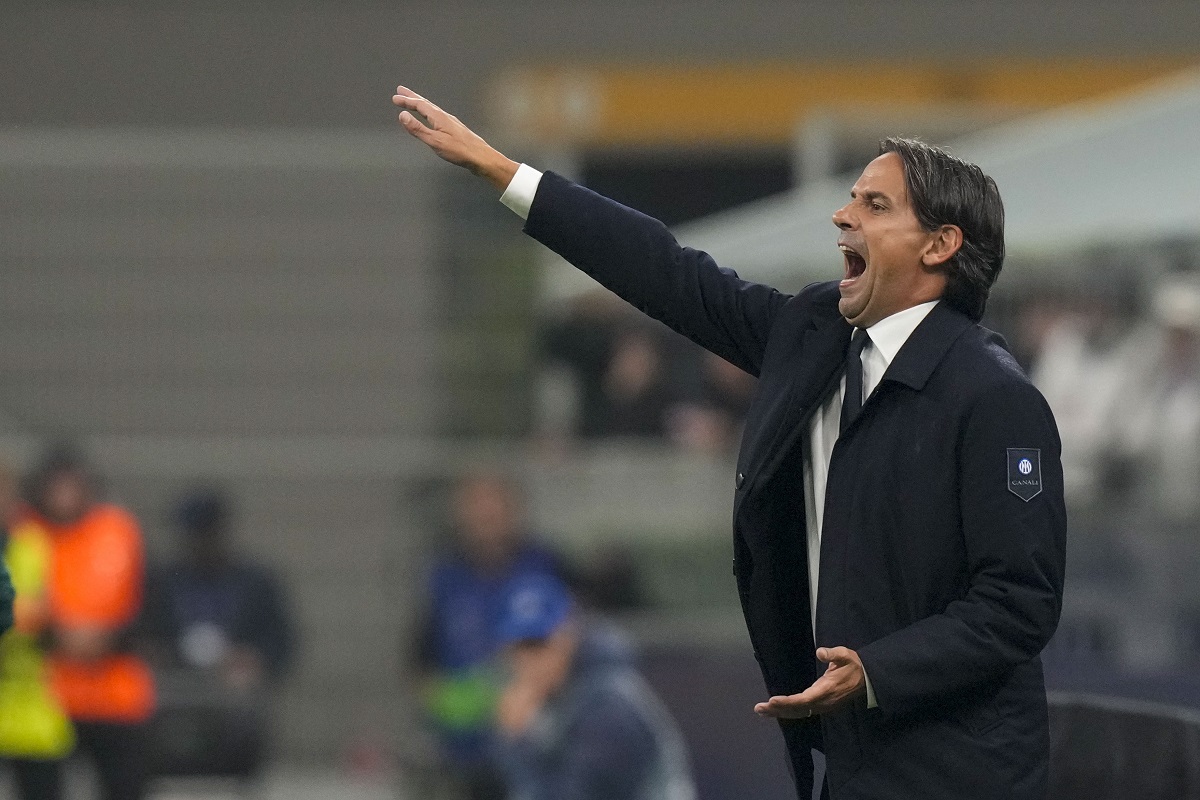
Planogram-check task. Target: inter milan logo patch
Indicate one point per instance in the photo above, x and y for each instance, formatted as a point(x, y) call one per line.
point(1025, 472)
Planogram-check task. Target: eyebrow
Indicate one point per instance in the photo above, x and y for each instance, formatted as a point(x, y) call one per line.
point(869, 196)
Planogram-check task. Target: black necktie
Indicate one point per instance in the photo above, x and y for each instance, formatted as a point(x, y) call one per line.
point(853, 398)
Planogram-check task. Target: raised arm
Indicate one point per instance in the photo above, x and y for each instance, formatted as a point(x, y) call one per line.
point(627, 252)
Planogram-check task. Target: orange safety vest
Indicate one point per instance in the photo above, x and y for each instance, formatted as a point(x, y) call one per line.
point(95, 581)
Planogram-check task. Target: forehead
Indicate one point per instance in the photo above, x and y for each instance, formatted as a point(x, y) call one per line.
point(884, 175)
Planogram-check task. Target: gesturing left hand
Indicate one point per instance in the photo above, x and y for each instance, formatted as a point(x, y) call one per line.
point(843, 681)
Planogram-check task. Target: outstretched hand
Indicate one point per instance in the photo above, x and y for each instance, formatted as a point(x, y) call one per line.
point(843, 680)
point(447, 136)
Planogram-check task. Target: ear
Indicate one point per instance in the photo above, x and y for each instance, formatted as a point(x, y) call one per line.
point(943, 244)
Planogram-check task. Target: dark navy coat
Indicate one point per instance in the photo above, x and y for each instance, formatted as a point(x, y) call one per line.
point(943, 542)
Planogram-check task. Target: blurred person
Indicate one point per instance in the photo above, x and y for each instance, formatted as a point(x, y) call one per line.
point(35, 734)
point(219, 627)
point(212, 611)
point(1157, 422)
point(93, 596)
point(456, 647)
point(576, 348)
point(576, 720)
point(7, 593)
point(1081, 369)
point(618, 380)
point(636, 390)
point(895, 455)
point(711, 420)
point(8, 506)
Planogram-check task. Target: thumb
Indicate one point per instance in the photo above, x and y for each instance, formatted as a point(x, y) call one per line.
point(829, 655)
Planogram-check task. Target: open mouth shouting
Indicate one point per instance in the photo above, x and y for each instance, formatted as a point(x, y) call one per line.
point(856, 263)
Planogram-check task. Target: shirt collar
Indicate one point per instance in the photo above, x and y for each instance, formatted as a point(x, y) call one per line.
point(890, 333)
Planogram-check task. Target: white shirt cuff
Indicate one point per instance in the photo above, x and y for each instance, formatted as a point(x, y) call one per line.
point(871, 703)
point(521, 190)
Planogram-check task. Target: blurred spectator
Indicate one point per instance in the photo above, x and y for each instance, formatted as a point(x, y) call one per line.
point(1081, 368)
point(456, 645)
point(35, 734)
point(1160, 406)
point(7, 591)
point(711, 420)
point(610, 373)
point(578, 347)
point(93, 594)
point(8, 510)
point(607, 372)
point(577, 722)
point(221, 635)
point(637, 392)
point(213, 612)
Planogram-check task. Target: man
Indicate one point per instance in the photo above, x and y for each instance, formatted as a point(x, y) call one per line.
point(218, 627)
point(213, 612)
point(576, 720)
point(456, 648)
point(35, 733)
point(93, 595)
point(910, 472)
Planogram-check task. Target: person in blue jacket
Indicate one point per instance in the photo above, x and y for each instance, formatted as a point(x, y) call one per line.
point(456, 650)
point(576, 720)
point(899, 529)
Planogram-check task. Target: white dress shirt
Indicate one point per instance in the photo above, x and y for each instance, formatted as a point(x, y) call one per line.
point(887, 337)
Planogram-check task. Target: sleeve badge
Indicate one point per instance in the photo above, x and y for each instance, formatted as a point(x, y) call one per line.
point(1025, 472)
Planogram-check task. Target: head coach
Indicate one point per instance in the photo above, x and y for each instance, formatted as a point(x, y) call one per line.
point(898, 519)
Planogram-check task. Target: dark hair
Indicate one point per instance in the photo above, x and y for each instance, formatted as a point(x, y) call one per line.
point(945, 190)
point(60, 458)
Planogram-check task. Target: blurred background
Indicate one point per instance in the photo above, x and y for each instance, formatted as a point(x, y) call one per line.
point(314, 370)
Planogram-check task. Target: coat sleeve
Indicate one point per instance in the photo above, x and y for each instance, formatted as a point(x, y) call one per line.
point(1015, 553)
point(637, 258)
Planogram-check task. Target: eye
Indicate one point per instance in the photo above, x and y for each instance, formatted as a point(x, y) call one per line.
point(876, 206)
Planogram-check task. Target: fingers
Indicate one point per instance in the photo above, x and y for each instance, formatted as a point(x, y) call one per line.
point(841, 683)
point(407, 98)
point(406, 92)
point(796, 706)
point(416, 127)
point(421, 106)
point(410, 101)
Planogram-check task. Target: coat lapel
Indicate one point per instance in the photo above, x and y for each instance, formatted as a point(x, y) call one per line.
point(819, 359)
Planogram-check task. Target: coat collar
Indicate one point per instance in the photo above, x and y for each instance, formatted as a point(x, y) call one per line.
point(925, 348)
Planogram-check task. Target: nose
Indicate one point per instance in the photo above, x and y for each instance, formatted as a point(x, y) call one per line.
point(842, 218)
